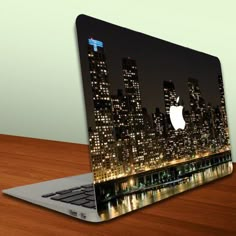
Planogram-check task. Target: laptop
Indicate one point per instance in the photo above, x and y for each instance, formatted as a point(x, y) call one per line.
point(156, 121)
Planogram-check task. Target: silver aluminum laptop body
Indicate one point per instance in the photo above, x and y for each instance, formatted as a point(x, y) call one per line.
point(33, 193)
point(156, 119)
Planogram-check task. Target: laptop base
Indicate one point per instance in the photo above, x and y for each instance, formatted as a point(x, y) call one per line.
point(33, 194)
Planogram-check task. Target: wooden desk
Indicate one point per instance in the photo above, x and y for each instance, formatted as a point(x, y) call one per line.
point(208, 210)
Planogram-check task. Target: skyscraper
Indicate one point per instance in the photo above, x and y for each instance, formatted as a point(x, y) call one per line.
point(120, 119)
point(103, 153)
point(169, 95)
point(222, 95)
point(120, 113)
point(159, 122)
point(169, 100)
point(135, 116)
point(223, 109)
point(197, 103)
point(222, 100)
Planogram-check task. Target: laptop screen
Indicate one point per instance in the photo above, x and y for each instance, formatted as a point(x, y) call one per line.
point(156, 116)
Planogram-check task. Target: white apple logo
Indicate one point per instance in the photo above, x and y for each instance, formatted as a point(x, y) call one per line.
point(176, 116)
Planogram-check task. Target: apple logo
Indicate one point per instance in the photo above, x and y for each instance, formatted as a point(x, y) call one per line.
point(176, 116)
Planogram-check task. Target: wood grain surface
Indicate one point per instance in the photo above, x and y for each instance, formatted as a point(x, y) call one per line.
point(207, 210)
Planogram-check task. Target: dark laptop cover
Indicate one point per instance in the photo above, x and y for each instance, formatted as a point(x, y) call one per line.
point(134, 87)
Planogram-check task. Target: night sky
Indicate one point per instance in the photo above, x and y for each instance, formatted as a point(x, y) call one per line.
point(156, 59)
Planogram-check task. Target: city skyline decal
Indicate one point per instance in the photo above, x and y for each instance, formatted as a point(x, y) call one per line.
point(131, 81)
point(128, 140)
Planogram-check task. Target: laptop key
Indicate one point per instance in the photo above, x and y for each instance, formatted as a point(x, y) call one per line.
point(66, 195)
point(90, 193)
point(89, 205)
point(75, 188)
point(64, 191)
point(48, 195)
point(74, 198)
point(87, 186)
point(89, 189)
point(91, 198)
point(79, 202)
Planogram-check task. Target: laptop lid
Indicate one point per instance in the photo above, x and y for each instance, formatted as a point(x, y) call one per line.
point(156, 116)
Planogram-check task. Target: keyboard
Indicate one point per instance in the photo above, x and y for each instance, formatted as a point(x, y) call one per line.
point(80, 196)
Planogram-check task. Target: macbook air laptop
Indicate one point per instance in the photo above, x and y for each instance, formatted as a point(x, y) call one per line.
point(156, 121)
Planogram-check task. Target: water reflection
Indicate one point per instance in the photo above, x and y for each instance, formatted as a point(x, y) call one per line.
point(131, 202)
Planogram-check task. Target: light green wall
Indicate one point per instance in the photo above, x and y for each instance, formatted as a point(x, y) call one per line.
point(40, 86)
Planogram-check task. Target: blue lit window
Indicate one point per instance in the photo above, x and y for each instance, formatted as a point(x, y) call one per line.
point(95, 44)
